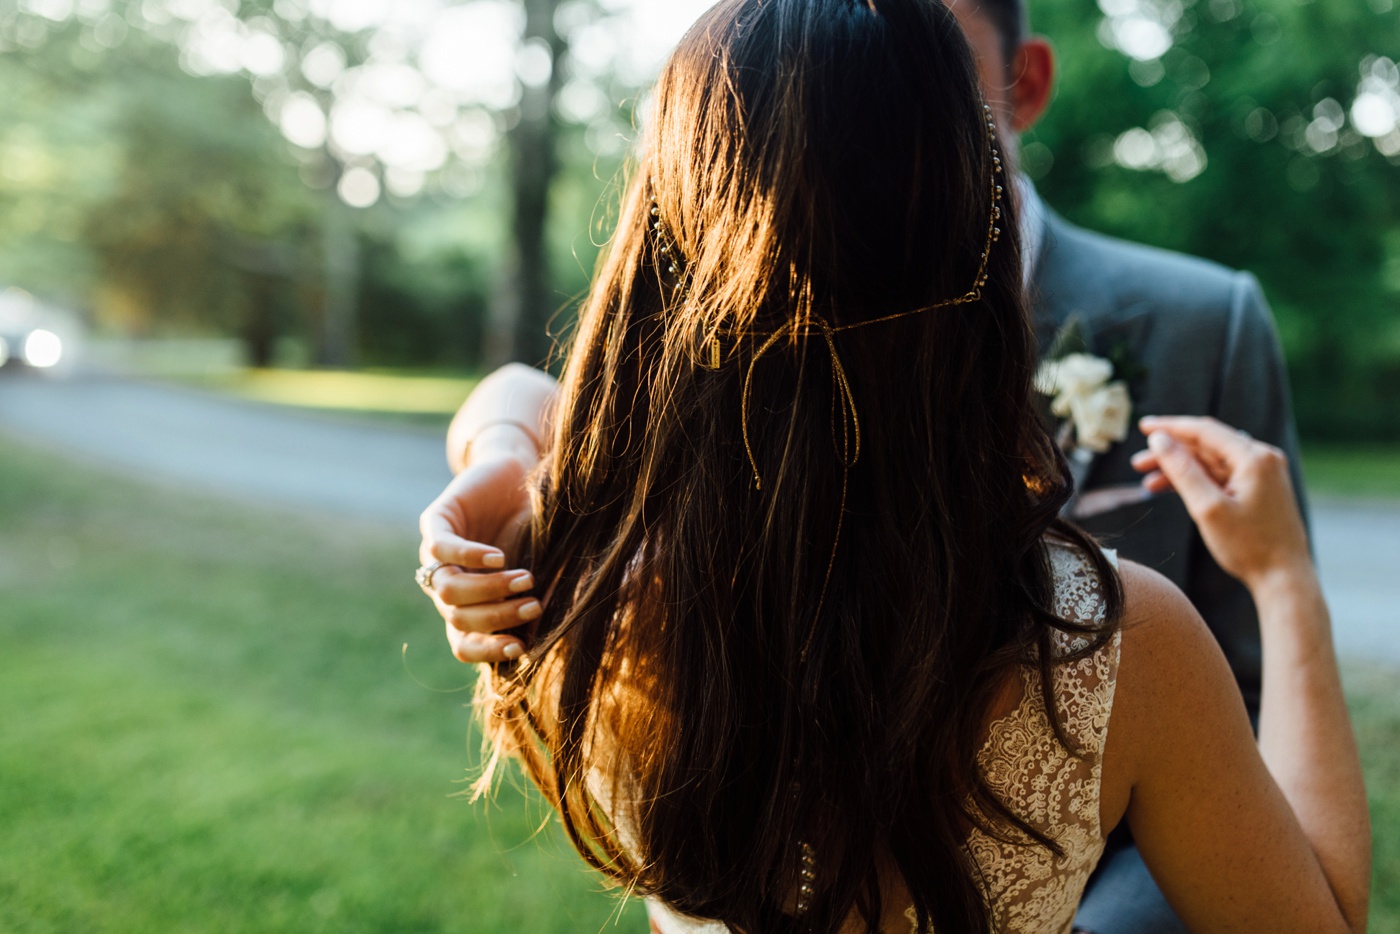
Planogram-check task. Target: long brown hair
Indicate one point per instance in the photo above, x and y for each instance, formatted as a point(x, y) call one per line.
point(724, 672)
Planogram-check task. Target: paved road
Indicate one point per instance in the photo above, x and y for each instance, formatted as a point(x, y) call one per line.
point(1358, 554)
point(243, 449)
point(376, 472)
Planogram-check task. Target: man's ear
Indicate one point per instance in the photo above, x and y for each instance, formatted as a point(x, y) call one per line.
point(1033, 79)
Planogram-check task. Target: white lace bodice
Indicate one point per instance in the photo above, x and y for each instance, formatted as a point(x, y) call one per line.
point(1028, 887)
point(1056, 792)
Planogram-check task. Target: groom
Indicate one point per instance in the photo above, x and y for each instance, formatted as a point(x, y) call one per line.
point(1201, 342)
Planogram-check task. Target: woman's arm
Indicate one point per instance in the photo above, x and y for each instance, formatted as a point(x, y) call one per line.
point(472, 527)
point(1266, 837)
point(506, 415)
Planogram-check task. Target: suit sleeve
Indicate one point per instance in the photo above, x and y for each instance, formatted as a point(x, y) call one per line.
point(1251, 394)
point(1253, 387)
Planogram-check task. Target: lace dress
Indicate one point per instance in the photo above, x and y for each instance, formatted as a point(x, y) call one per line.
point(1028, 887)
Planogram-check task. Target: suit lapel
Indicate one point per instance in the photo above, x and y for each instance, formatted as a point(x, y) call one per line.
point(1050, 299)
point(1066, 287)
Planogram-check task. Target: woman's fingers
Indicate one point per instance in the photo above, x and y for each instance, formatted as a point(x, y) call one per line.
point(1156, 483)
point(493, 617)
point(1200, 491)
point(466, 533)
point(473, 647)
point(1236, 489)
point(457, 587)
point(441, 526)
point(484, 603)
point(1201, 433)
point(441, 543)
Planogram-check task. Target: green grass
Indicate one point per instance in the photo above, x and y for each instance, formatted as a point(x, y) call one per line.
point(1373, 694)
point(209, 727)
point(1353, 470)
point(424, 398)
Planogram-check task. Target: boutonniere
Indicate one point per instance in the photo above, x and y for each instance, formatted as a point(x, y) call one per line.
point(1088, 394)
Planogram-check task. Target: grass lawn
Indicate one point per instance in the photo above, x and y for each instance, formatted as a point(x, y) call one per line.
point(209, 726)
point(422, 398)
point(1353, 470)
point(1374, 696)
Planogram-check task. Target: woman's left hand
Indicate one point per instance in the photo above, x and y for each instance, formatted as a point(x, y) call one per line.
point(468, 530)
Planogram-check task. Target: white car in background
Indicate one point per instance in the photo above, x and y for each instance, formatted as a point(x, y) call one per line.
point(36, 336)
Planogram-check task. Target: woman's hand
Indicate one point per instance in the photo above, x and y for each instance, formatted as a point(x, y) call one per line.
point(1236, 489)
point(471, 528)
point(1305, 870)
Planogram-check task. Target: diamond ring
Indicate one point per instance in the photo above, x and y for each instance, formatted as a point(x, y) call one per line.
point(424, 575)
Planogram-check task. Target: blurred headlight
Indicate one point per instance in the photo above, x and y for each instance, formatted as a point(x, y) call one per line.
point(4, 352)
point(43, 349)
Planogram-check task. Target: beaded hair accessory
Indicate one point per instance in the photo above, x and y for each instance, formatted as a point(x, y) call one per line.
point(850, 435)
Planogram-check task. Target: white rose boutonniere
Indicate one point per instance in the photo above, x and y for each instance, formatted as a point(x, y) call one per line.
point(1081, 388)
point(1101, 418)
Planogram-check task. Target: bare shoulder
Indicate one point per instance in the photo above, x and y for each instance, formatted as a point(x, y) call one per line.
point(1174, 686)
point(1163, 634)
point(1171, 664)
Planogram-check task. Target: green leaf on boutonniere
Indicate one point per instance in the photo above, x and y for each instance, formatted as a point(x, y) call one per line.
point(1072, 338)
point(1126, 367)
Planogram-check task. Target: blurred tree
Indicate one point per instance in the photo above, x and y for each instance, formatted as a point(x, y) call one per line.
point(521, 319)
point(208, 225)
point(167, 218)
point(52, 171)
point(196, 213)
point(1259, 133)
point(438, 166)
point(385, 99)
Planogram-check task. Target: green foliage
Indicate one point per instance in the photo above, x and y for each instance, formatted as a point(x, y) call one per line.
point(220, 730)
point(209, 225)
point(57, 161)
point(1318, 225)
point(162, 201)
point(1353, 470)
point(427, 310)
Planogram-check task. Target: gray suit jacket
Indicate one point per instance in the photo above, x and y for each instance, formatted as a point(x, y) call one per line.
point(1206, 339)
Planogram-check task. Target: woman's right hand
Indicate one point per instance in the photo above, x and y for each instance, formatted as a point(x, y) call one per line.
point(1236, 489)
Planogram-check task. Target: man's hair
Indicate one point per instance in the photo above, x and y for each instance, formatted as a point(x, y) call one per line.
point(1011, 22)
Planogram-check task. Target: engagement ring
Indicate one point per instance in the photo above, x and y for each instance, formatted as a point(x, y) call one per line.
point(424, 575)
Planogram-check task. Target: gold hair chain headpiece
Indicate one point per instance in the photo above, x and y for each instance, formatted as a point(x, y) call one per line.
point(850, 437)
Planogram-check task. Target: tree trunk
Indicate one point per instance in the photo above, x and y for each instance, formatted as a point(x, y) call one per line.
point(260, 322)
point(524, 302)
point(341, 247)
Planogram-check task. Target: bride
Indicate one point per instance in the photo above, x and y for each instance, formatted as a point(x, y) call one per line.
point(797, 640)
